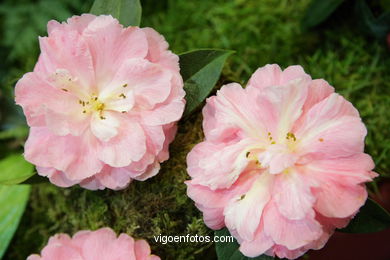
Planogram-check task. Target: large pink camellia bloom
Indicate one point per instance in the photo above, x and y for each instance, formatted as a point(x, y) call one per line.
point(282, 164)
point(102, 244)
point(102, 103)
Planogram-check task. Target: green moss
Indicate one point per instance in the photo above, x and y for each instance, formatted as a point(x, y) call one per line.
point(261, 32)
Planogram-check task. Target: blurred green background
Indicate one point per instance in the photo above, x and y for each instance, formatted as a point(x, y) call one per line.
point(261, 32)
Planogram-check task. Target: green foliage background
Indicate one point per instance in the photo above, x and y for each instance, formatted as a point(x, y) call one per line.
point(261, 32)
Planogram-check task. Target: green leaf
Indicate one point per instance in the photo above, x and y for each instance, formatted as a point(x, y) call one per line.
point(128, 12)
point(200, 70)
point(36, 179)
point(15, 169)
point(15, 132)
point(13, 201)
point(229, 250)
point(371, 218)
point(378, 27)
point(318, 11)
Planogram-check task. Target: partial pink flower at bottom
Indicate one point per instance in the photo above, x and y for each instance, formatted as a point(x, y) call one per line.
point(102, 244)
point(282, 164)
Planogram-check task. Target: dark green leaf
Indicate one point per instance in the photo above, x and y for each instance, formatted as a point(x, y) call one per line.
point(200, 70)
point(15, 169)
point(318, 11)
point(371, 218)
point(378, 27)
point(36, 179)
point(128, 12)
point(16, 132)
point(229, 250)
point(13, 201)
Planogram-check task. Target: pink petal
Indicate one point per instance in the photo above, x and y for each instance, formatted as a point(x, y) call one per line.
point(150, 82)
point(288, 101)
point(127, 146)
point(75, 156)
point(258, 246)
point(213, 217)
point(113, 178)
point(66, 50)
point(290, 233)
point(336, 200)
point(331, 129)
point(266, 76)
point(111, 46)
point(56, 177)
point(36, 96)
point(234, 109)
point(292, 195)
point(292, 73)
point(319, 89)
point(158, 50)
point(217, 166)
point(142, 250)
point(243, 213)
point(105, 127)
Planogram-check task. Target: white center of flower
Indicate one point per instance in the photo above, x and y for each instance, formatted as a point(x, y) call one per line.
point(100, 106)
point(277, 156)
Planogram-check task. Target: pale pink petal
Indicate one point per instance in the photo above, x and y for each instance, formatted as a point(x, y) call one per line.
point(36, 96)
point(158, 50)
point(284, 252)
point(338, 200)
point(213, 217)
point(233, 108)
point(150, 83)
point(164, 114)
point(105, 126)
point(266, 76)
point(79, 23)
point(319, 89)
point(56, 177)
point(243, 212)
point(150, 171)
point(142, 250)
point(75, 156)
point(113, 178)
point(351, 170)
point(170, 132)
point(217, 166)
point(288, 101)
point(293, 73)
point(325, 131)
point(259, 245)
point(277, 158)
point(290, 233)
point(111, 45)
point(67, 50)
point(292, 195)
point(97, 243)
point(129, 145)
point(92, 183)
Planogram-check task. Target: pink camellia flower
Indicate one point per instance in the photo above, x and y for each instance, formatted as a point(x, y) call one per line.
point(282, 164)
point(102, 103)
point(102, 244)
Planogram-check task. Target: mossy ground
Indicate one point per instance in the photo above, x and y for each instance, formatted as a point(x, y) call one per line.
point(260, 32)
